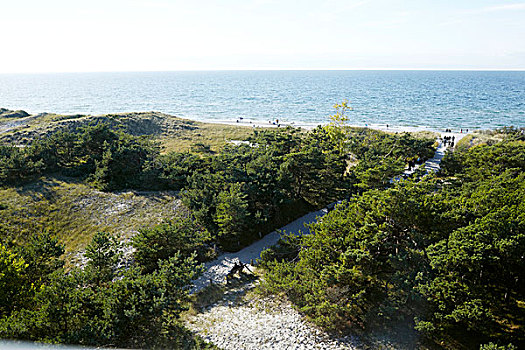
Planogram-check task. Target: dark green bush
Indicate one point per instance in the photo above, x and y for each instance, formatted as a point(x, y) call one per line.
point(182, 235)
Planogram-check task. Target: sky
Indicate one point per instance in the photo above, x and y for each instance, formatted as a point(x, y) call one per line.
point(164, 35)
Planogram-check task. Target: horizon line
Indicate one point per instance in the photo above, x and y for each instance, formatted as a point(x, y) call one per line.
point(276, 69)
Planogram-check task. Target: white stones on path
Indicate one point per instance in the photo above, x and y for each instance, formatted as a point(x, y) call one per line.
point(260, 324)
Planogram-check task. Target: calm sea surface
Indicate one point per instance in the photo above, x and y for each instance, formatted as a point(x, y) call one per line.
point(428, 99)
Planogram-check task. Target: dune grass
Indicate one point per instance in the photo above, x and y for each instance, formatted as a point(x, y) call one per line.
point(214, 136)
point(74, 211)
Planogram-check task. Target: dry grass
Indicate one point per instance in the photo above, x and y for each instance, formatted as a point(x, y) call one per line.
point(425, 135)
point(174, 134)
point(74, 211)
point(215, 136)
point(477, 138)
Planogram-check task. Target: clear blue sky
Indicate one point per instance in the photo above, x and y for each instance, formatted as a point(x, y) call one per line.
point(152, 35)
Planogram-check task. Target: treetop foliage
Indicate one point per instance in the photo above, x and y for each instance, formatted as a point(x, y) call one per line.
point(445, 251)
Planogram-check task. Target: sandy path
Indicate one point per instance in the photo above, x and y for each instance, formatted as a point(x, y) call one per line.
point(432, 165)
point(216, 270)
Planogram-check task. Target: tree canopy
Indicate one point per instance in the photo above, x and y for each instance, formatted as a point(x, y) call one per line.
point(445, 251)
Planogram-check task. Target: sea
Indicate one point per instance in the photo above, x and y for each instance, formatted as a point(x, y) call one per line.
point(432, 100)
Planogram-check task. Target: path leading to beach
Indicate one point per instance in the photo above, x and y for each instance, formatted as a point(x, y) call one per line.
point(216, 270)
point(432, 165)
point(236, 323)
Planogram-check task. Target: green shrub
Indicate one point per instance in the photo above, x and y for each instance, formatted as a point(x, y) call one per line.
point(182, 235)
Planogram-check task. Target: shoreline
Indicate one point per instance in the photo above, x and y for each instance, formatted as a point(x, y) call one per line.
point(381, 127)
point(248, 122)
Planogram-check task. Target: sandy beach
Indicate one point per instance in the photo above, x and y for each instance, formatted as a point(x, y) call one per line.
point(382, 127)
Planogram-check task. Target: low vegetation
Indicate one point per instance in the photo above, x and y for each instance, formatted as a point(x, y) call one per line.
point(172, 133)
point(97, 305)
point(75, 211)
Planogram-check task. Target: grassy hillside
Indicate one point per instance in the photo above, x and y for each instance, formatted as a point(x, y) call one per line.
point(75, 211)
point(174, 134)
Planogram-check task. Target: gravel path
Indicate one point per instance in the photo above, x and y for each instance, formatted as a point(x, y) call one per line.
point(259, 323)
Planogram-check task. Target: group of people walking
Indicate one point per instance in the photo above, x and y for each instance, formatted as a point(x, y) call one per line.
point(449, 140)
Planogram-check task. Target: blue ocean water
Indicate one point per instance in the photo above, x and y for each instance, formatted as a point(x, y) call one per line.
point(428, 99)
